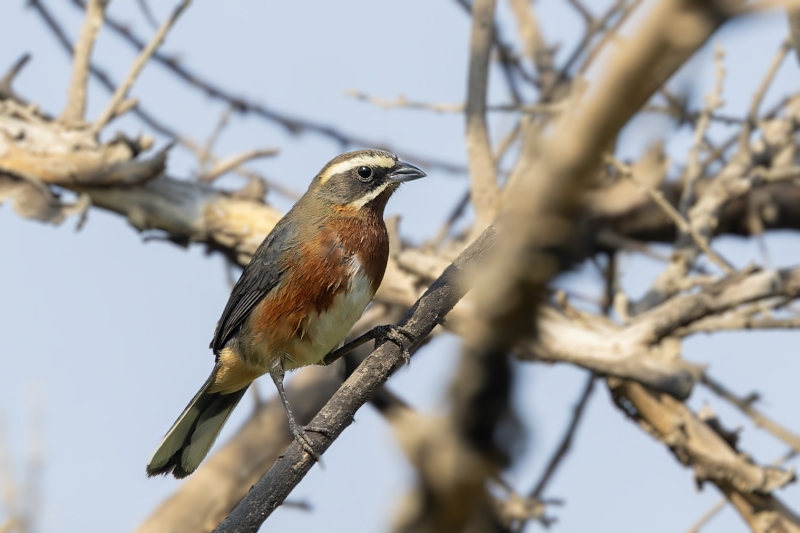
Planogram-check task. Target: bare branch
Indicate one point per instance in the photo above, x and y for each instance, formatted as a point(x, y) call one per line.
point(148, 14)
point(745, 405)
point(625, 12)
point(403, 103)
point(485, 191)
point(147, 52)
point(566, 441)
point(702, 446)
point(693, 168)
point(5, 83)
point(758, 96)
point(535, 45)
point(101, 75)
point(205, 154)
point(235, 161)
point(707, 516)
point(682, 224)
point(580, 8)
point(75, 110)
point(594, 27)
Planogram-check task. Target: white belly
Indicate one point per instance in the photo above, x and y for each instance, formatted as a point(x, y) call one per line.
point(328, 330)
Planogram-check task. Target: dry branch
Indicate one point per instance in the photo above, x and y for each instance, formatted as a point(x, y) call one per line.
point(147, 52)
point(75, 109)
point(682, 224)
point(745, 405)
point(566, 441)
point(713, 457)
point(235, 161)
point(484, 189)
point(6, 91)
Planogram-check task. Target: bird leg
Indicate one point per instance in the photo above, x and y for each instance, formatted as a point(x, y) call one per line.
point(400, 336)
point(276, 372)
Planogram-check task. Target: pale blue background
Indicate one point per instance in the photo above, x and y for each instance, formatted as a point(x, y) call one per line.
point(110, 334)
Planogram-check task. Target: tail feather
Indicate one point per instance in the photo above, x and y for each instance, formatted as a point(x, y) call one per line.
point(191, 436)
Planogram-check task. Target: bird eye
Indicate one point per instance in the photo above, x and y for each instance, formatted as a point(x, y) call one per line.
point(364, 173)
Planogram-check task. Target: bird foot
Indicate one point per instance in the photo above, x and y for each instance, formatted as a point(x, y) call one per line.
point(302, 439)
point(401, 337)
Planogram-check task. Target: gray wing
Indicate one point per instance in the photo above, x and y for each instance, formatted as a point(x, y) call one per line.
point(258, 278)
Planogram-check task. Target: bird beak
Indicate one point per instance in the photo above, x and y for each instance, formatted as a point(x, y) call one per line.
point(405, 172)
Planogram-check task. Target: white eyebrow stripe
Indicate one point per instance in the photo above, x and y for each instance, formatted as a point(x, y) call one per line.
point(366, 159)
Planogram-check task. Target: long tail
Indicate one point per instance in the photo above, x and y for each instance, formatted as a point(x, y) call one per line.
point(191, 436)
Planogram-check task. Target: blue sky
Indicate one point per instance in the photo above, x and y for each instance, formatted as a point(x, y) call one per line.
point(108, 335)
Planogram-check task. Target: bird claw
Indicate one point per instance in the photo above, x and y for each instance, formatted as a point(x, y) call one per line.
point(302, 439)
point(401, 337)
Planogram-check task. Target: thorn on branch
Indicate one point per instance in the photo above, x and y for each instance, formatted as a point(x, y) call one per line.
point(6, 91)
point(745, 405)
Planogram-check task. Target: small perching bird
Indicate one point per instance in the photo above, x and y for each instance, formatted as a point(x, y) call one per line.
point(295, 302)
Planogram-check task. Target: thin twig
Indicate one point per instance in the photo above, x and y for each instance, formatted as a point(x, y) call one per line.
point(566, 441)
point(758, 96)
point(235, 161)
point(594, 27)
point(205, 154)
point(147, 52)
point(509, 62)
point(745, 405)
point(580, 8)
point(535, 46)
point(693, 117)
point(102, 76)
point(713, 102)
point(403, 103)
point(682, 224)
point(707, 516)
point(6, 91)
point(483, 177)
point(148, 14)
point(75, 109)
point(594, 53)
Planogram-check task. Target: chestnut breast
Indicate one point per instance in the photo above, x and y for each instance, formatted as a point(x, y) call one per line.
point(329, 282)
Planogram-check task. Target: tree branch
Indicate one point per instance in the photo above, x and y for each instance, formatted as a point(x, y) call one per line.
point(147, 52)
point(566, 441)
point(704, 447)
point(484, 190)
point(745, 405)
point(75, 109)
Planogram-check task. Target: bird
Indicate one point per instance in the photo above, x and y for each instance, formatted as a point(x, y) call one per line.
point(306, 285)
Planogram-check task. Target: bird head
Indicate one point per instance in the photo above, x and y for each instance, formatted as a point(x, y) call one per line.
point(362, 179)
